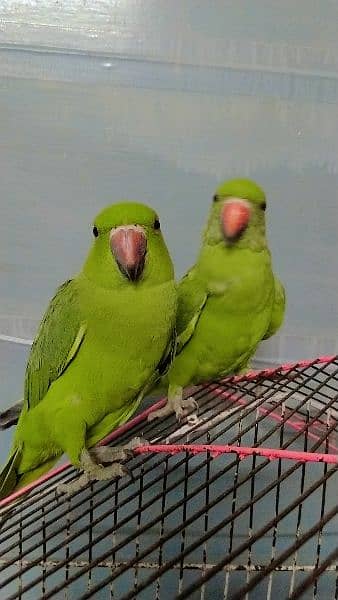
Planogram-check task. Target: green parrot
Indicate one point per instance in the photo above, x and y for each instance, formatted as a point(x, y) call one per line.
point(229, 300)
point(106, 337)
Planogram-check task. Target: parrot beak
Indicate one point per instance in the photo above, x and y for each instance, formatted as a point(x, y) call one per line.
point(128, 244)
point(235, 216)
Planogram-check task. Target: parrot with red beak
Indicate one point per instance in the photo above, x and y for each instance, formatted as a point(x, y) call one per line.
point(229, 300)
point(105, 339)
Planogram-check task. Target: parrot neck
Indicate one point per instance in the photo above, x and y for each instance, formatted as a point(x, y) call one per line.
point(253, 240)
point(219, 264)
point(219, 256)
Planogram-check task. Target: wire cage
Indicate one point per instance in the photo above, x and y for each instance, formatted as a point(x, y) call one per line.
point(247, 523)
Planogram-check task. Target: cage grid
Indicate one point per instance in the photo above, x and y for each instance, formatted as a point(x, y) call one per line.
point(192, 525)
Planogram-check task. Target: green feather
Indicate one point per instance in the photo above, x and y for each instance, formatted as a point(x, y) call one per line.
point(230, 300)
point(190, 303)
point(9, 474)
point(278, 309)
point(58, 339)
point(103, 342)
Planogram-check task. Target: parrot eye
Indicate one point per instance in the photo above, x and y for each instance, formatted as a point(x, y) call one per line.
point(95, 231)
point(263, 206)
point(215, 198)
point(157, 224)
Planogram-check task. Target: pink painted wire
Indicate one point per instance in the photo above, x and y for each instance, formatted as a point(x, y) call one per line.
point(296, 425)
point(54, 472)
point(142, 417)
point(241, 451)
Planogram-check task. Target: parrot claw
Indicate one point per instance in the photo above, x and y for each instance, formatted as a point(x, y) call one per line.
point(95, 471)
point(112, 454)
point(105, 473)
point(176, 405)
point(136, 442)
point(99, 474)
point(68, 489)
point(103, 455)
point(193, 420)
point(181, 407)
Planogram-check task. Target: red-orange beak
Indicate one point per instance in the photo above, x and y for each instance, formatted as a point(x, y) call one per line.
point(235, 216)
point(129, 246)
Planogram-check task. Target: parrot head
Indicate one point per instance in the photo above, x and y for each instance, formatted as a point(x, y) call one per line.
point(237, 213)
point(128, 247)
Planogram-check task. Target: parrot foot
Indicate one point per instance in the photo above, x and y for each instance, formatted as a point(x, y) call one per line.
point(98, 473)
point(95, 471)
point(108, 454)
point(177, 405)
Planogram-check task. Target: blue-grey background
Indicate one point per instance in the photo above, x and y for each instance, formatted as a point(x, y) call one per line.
point(159, 102)
point(102, 100)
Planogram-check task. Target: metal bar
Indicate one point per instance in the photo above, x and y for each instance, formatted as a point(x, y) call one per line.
point(258, 417)
point(305, 537)
point(242, 451)
point(330, 563)
point(211, 532)
point(255, 580)
point(120, 524)
point(142, 416)
point(97, 539)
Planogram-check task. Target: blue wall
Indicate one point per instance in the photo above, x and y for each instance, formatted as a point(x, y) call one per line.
point(180, 102)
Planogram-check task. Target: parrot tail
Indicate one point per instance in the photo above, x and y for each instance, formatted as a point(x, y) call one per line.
point(19, 483)
point(9, 476)
point(10, 416)
point(11, 481)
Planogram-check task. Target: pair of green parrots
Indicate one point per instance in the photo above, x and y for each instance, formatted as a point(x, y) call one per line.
point(121, 326)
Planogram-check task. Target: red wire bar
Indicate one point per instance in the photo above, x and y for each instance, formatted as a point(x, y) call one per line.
point(251, 375)
point(241, 451)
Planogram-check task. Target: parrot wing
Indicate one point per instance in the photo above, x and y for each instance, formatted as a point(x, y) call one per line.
point(154, 385)
point(278, 310)
point(192, 298)
point(45, 365)
point(58, 340)
point(168, 356)
point(8, 475)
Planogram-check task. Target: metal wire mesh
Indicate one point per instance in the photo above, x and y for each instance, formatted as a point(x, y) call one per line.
point(192, 526)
